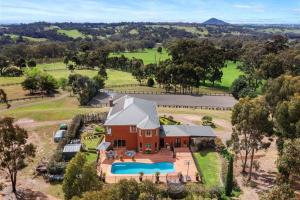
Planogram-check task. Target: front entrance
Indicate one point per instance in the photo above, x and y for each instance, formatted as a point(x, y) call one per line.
point(161, 143)
point(178, 142)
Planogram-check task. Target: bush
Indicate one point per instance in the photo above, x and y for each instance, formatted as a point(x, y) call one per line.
point(56, 168)
point(208, 121)
point(150, 82)
point(176, 191)
point(206, 144)
point(63, 83)
point(12, 71)
point(219, 145)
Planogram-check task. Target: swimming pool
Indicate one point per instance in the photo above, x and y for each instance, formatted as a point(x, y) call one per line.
point(146, 168)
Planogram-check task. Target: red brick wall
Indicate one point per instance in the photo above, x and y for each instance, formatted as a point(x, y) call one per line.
point(122, 133)
point(172, 140)
point(144, 140)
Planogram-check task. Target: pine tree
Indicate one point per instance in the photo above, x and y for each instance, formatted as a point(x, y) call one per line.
point(229, 178)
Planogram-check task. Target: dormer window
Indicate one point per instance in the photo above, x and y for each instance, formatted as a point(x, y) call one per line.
point(148, 133)
point(108, 130)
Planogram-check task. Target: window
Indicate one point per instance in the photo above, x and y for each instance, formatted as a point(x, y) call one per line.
point(108, 130)
point(119, 143)
point(148, 133)
point(141, 145)
point(132, 129)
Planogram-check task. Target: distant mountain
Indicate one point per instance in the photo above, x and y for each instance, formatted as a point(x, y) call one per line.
point(214, 21)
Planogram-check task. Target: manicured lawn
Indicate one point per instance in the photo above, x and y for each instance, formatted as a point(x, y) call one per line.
point(92, 143)
point(148, 55)
point(73, 33)
point(210, 166)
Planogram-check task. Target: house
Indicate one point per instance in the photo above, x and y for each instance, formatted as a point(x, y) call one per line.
point(133, 124)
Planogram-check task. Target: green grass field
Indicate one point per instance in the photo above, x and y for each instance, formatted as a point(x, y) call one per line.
point(148, 55)
point(230, 73)
point(73, 33)
point(60, 109)
point(115, 77)
point(14, 37)
point(210, 166)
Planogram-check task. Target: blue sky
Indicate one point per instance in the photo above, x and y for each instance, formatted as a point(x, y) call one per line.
point(233, 11)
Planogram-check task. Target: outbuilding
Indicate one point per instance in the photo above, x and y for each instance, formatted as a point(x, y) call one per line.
point(70, 150)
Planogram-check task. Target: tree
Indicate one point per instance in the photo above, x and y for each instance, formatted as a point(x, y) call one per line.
point(288, 163)
point(31, 63)
point(102, 72)
point(128, 189)
point(3, 98)
point(14, 149)
point(250, 120)
point(238, 85)
point(159, 50)
point(148, 190)
point(4, 63)
point(287, 118)
point(280, 192)
point(80, 177)
point(139, 74)
point(84, 87)
point(150, 82)
point(99, 81)
point(229, 178)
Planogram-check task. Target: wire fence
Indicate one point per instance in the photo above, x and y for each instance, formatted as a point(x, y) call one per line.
point(102, 105)
point(29, 98)
point(164, 93)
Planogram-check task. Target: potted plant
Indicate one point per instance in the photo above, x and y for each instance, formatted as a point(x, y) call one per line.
point(180, 177)
point(157, 177)
point(141, 176)
point(197, 176)
point(103, 177)
point(121, 158)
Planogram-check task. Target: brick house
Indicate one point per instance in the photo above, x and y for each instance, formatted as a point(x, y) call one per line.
point(133, 124)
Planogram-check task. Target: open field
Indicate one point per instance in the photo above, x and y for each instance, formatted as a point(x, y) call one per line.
point(60, 109)
point(58, 70)
point(73, 33)
point(148, 55)
point(210, 165)
point(14, 37)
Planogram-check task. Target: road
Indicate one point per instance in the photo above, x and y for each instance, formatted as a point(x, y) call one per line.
point(169, 99)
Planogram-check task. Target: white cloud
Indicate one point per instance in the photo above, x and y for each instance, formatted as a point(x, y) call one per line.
point(255, 8)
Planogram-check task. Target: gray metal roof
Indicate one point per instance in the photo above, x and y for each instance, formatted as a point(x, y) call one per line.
point(71, 148)
point(186, 130)
point(133, 111)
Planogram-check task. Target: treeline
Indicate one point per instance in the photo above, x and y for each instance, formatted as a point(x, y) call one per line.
point(262, 61)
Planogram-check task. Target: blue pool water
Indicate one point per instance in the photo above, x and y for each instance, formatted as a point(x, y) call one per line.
point(147, 168)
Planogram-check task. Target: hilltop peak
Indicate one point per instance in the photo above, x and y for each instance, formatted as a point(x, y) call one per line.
point(214, 21)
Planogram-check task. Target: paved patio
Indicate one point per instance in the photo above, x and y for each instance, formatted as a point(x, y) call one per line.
point(183, 157)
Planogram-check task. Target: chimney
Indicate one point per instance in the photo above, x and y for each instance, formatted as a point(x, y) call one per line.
point(111, 102)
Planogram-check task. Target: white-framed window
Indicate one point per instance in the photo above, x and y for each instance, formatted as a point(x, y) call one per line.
point(132, 129)
point(148, 133)
point(108, 130)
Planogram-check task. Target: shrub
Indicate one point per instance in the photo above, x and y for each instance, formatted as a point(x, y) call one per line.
point(176, 191)
point(12, 71)
point(63, 83)
point(208, 121)
point(55, 168)
point(206, 144)
point(150, 82)
point(219, 145)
